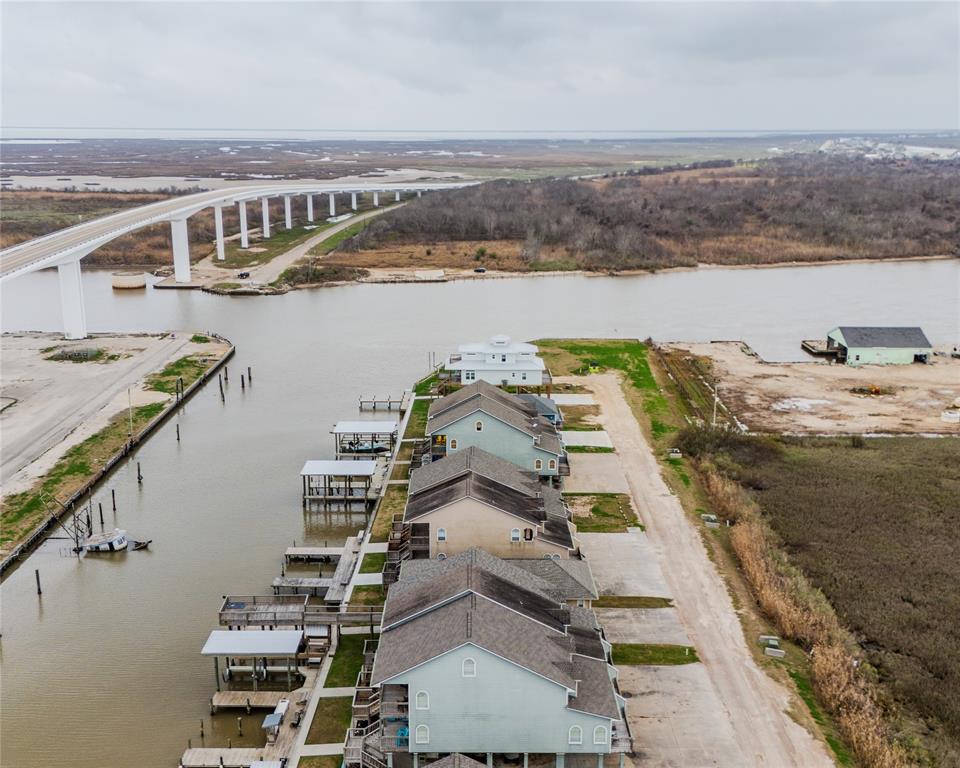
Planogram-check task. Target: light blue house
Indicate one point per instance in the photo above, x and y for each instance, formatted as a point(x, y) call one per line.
point(505, 425)
point(478, 656)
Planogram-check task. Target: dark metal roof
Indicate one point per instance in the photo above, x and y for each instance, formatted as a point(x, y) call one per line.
point(893, 337)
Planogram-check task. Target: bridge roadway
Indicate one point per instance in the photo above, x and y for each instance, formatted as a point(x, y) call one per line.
point(64, 249)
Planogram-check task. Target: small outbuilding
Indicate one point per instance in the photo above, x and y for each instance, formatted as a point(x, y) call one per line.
point(861, 345)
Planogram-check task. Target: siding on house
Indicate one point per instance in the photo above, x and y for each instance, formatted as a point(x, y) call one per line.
point(499, 439)
point(470, 523)
point(504, 709)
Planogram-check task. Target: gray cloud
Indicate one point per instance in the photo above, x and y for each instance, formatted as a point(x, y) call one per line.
point(482, 66)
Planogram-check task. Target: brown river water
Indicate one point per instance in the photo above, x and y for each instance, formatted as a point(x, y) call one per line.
point(105, 669)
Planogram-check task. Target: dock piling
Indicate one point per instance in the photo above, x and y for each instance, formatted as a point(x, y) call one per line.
point(113, 498)
point(239, 726)
point(226, 374)
point(100, 506)
point(249, 375)
point(178, 433)
point(242, 384)
point(201, 727)
point(36, 573)
point(139, 475)
point(222, 398)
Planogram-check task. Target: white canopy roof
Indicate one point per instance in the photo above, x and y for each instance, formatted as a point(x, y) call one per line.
point(365, 427)
point(253, 642)
point(498, 344)
point(361, 468)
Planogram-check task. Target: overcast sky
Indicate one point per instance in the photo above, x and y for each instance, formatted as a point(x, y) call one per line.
point(482, 66)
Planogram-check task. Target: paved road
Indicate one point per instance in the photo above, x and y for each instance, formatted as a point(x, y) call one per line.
point(43, 251)
point(755, 704)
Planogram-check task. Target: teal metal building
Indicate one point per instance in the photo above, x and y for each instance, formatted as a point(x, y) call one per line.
point(860, 345)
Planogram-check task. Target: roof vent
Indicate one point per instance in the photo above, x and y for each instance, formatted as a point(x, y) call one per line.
point(500, 340)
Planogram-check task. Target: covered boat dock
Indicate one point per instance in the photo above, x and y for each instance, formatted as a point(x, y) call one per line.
point(348, 481)
point(364, 438)
point(258, 647)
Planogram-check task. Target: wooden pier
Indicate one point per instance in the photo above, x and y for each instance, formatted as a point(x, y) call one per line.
point(313, 554)
point(380, 403)
point(249, 699)
point(301, 585)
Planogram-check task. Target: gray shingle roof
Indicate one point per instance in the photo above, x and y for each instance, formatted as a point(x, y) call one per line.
point(572, 577)
point(477, 460)
point(545, 406)
point(894, 337)
point(500, 405)
point(474, 597)
point(483, 489)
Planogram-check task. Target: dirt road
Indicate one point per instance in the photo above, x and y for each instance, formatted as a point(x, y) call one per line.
point(755, 704)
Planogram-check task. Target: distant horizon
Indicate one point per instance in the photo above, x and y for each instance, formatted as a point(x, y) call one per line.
point(11, 134)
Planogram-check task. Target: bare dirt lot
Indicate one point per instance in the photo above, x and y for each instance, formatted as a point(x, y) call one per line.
point(818, 397)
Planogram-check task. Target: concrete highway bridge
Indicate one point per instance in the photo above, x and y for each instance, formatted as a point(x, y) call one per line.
point(64, 249)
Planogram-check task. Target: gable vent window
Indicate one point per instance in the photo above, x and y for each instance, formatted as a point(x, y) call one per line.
point(423, 701)
point(423, 734)
point(515, 534)
point(528, 534)
point(599, 735)
point(538, 464)
point(552, 464)
point(575, 735)
point(441, 534)
point(478, 426)
point(468, 668)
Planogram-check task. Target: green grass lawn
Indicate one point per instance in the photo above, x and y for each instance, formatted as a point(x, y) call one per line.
point(188, 368)
point(347, 660)
point(393, 502)
point(589, 449)
point(655, 654)
point(581, 418)
point(331, 243)
point(331, 720)
point(609, 512)
point(632, 601)
point(280, 241)
point(371, 595)
point(417, 423)
point(321, 761)
point(373, 562)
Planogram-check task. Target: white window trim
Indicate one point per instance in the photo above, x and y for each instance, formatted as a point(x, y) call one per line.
point(427, 700)
point(478, 425)
point(538, 464)
point(425, 738)
point(453, 444)
point(515, 535)
point(597, 738)
point(575, 735)
point(441, 534)
point(463, 667)
point(552, 464)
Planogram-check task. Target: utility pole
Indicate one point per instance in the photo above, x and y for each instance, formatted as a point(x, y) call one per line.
point(130, 413)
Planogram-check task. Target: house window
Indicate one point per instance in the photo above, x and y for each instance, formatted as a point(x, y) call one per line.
point(503, 358)
point(538, 464)
point(468, 668)
point(478, 426)
point(515, 534)
point(575, 735)
point(523, 376)
point(423, 702)
point(441, 534)
point(453, 444)
point(469, 375)
point(599, 735)
point(552, 464)
point(423, 734)
point(528, 534)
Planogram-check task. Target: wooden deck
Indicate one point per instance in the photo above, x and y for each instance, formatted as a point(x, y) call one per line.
point(301, 585)
point(251, 699)
point(312, 554)
point(214, 757)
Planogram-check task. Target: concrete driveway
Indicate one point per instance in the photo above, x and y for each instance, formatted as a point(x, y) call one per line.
point(595, 473)
point(642, 625)
point(624, 564)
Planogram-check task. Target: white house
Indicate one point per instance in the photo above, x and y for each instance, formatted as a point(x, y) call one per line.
point(498, 361)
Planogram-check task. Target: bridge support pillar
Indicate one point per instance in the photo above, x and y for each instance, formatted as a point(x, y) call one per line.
point(218, 222)
point(353, 200)
point(71, 300)
point(265, 206)
point(396, 197)
point(310, 208)
point(287, 213)
point(244, 233)
point(333, 204)
point(419, 193)
point(181, 250)
point(376, 199)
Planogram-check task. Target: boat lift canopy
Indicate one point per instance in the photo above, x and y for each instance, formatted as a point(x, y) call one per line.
point(344, 468)
point(365, 427)
point(276, 643)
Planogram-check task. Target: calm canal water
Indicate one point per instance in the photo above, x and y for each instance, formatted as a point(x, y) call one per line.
point(105, 669)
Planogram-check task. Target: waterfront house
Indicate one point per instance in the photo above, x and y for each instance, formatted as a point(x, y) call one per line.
point(856, 345)
point(474, 498)
point(497, 361)
point(477, 656)
point(500, 423)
